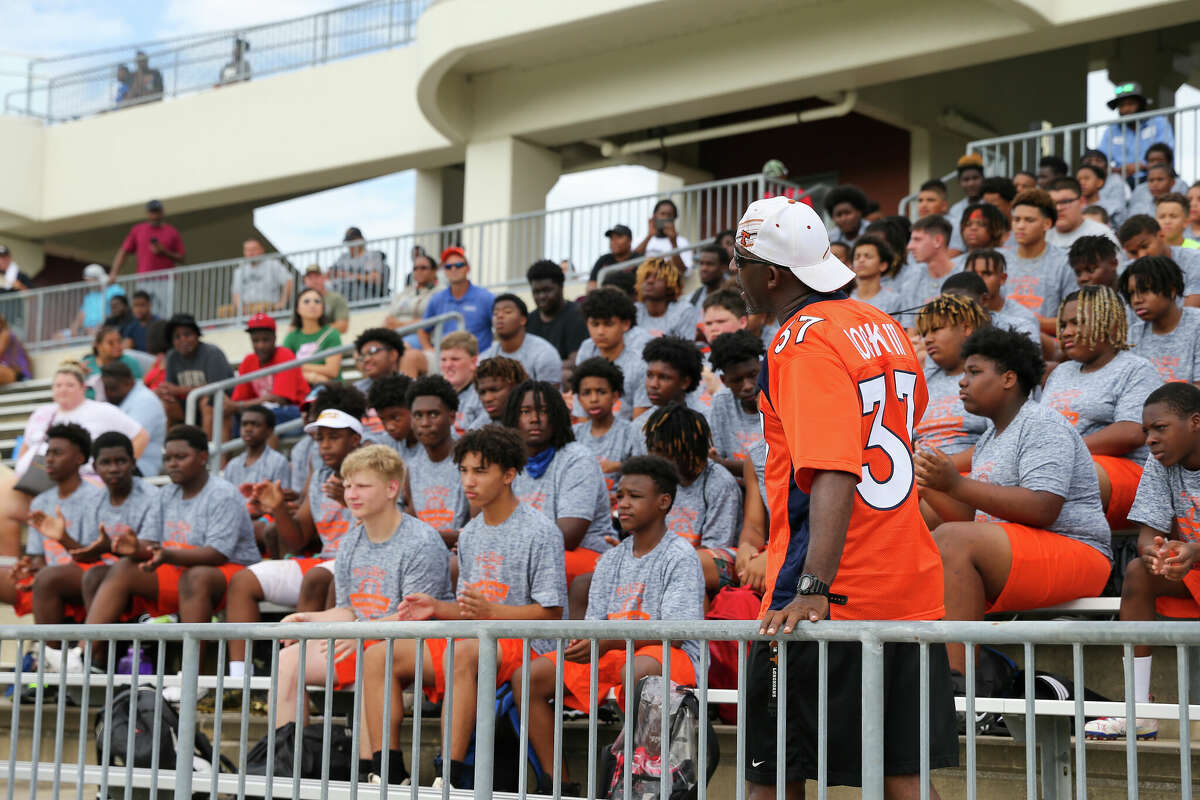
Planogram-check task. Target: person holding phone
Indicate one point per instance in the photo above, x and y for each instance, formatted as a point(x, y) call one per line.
point(662, 236)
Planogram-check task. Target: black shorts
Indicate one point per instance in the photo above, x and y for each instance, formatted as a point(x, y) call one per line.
point(901, 713)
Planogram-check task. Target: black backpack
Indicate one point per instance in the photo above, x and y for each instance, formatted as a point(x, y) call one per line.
point(683, 748)
point(312, 750)
point(506, 765)
point(117, 734)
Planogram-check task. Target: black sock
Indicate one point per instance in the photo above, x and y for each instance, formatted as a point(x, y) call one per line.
point(397, 773)
point(366, 766)
point(462, 776)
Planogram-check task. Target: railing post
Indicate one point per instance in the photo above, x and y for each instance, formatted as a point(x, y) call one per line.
point(29, 89)
point(49, 101)
point(218, 430)
point(872, 718)
point(187, 719)
point(485, 711)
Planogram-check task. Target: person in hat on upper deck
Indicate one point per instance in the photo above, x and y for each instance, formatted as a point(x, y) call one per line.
point(1125, 143)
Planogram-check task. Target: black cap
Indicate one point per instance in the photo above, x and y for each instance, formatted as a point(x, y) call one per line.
point(1131, 89)
point(353, 235)
point(154, 205)
point(619, 230)
point(186, 320)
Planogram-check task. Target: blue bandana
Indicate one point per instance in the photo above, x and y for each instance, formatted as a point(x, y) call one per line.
point(537, 465)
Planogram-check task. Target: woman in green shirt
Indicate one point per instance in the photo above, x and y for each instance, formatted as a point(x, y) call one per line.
point(107, 348)
point(310, 333)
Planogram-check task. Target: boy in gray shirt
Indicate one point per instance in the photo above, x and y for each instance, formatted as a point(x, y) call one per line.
point(1164, 333)
point(612, 335)
point(540, 358)
point(734, 418)
point(386, 557)
point(598, 384)
point(651, 575)
point(258, 462)
point(434, 491)
point(510, 567)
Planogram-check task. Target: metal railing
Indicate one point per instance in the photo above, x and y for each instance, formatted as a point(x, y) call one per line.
point(500, 251)
point(1004, 155)
point(217, 390)
point(206, 61)
point(96, 695)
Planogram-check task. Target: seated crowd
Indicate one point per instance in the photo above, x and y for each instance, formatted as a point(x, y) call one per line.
point(603, 458)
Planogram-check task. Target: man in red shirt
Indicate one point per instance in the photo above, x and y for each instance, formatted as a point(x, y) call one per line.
point(841, 387)
point(157, 244)
point(282, 392)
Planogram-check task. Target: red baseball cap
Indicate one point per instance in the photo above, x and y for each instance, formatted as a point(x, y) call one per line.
point(454, 251)
point(260, 321)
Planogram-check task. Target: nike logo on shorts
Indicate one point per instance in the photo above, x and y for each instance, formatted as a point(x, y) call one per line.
point(756, 764)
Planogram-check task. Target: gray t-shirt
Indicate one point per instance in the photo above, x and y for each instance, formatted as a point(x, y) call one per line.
point(734, 430)
point(621, 441)
point(1188, 259)
point(758, 457)
point(516, 563)
point(1176, 355)
point(572, 487)
point(406, 451)
point(708, 512)
point(1040, 283)
point(301, 459)
point(216, 518)
point(373, 577)
point(1092, 401)
point(1040, 451)
point(437, 493)
point(540, 358)
point(1168, 500)
point(469, 408)
point(207, 365)
point(1017, 317)
point(887, 299)
point(919, 287)
point(270, 466)
point(680, 320)
point(78, 509)
point(946, 424)
point(667, 583)
point(633, 368)
point(261, 282)
point(140, 514)
point(331, 519)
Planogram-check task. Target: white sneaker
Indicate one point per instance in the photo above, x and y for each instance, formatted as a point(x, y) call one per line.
point(174, 693)
point(72, 664)
point(1115, 728)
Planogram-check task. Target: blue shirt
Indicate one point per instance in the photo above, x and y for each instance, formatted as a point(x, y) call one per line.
point(1126, 143)
point(475, 306)
point(144, 407)
point(95, 306)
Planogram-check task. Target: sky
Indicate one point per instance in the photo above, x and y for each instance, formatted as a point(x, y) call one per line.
point(384, 205)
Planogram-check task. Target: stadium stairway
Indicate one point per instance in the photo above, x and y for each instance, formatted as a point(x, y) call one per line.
point(17, 402)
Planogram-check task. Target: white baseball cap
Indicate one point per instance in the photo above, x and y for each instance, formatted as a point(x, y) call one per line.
point(789, 234)
point(334, 418)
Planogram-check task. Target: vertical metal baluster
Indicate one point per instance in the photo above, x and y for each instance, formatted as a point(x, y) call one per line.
point(218, 712)
point(187, 717)
point(158, 705)
point(664, 736)
point(60, 719)
point(970, 715)
point(558, 718)
point(1182, 674)
point(1030, 725)
point(84, 700)
point(356, 726)
point(702, 754)
point(14, 726)
point(740, 775)
point(594, 708)
point(781, 657)
point(872, 714)
point(447, 715)
point(387, 745)
point(1080, 739)
point(523, 712)
point(627, 723)
point(108, 703)
point(924, 650)
point(38, 704)
point(1131, 765)
point(485, 725)
point(244, 723)
point(271, 720)
point(133, 696)
point(822, 719)
point(301, 707)
point(418, 690)
point(327, 715)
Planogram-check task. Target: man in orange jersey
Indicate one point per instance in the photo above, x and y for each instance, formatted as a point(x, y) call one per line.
point(841, 387)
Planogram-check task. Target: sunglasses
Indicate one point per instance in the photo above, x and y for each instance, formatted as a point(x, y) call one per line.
point(454, 264)
point(371, 351)
point(741, 261)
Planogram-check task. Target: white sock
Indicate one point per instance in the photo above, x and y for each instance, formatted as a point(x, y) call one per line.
point(1141, 679)
point(237, 669)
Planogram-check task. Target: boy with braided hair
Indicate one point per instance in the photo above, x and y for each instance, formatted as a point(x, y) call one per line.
point(707, 508)
point(733, 418)
point(495, 379)
point(1165, 333)
point(659, 310)
point(1101, 390)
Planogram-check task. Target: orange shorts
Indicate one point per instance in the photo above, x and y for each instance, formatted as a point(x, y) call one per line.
point(508, 661)
point(580, 561)
point(306, 564)
point(345, 669)
point(72, 612)
point(1182, 607)
point(1124, 476)
point(610, 674)
point(1048, 569)
point(167, 602)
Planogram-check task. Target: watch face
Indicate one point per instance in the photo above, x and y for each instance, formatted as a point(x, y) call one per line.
point(806, 584)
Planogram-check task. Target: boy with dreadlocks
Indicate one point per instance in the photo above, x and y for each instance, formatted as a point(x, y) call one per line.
point(707, 508)
point(495, 378)
point(659, 310)
point(1163, 579)
point(610, 316)
point(944, 324)
point(674, 370)
point(598, 384)
point(733, 417)
point(1164, 333)
point(562, 479)
point(1101, 390)
point(1031, 502)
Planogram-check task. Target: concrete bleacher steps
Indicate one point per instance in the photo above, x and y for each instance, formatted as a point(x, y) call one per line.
point(1000, 760)
point(17, 402)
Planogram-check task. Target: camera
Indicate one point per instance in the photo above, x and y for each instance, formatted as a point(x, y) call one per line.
point(660, 225)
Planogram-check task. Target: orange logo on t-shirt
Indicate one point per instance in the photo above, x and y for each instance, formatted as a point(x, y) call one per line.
point(941, 425)
point(330, 525)
point(54, 553)
point(745, 441)
point(629, 596)
point(1061, 402)
point(1166, 366)
point(433, 511)
point(490, 586)
point(1024, 289)
point(682, 522)
point(368, 597)
point(535, 499)
point(175, 533)
point(1188, 525)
